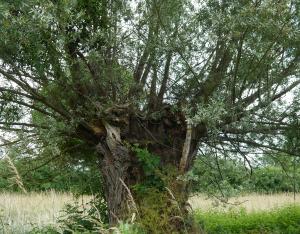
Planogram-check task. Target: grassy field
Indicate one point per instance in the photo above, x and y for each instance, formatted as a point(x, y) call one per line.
point(19, 213)
point(282, 220)
point(251, 202)
point(253, 213)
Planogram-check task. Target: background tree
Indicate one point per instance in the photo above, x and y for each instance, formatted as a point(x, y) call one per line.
point(134, 80)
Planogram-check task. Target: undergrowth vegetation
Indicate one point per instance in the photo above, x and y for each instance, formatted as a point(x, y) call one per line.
point(277, 221)
point(87, 215)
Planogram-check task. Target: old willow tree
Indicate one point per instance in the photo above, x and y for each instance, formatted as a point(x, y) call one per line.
point(147, 84)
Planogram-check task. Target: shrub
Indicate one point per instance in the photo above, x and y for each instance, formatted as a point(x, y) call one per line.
point(84, 218)
point(228, 177)
point(272, 179)
point(78, 179)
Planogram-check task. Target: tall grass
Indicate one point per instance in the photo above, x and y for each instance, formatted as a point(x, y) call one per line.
point(251, 202)
point(19, 213)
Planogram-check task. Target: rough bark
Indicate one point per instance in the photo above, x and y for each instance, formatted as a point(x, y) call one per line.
point(164, 137)
point(114, 169)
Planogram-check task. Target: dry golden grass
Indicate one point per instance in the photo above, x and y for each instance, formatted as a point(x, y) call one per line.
point(20, 212)
point(251, 202)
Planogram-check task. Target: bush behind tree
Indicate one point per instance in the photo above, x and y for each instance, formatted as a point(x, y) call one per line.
point(229, 177)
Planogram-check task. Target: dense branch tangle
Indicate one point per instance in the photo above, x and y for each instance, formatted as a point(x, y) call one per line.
point(115, 73)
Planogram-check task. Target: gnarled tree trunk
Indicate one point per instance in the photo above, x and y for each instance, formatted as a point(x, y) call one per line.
point(114, 169)
point(169, 138)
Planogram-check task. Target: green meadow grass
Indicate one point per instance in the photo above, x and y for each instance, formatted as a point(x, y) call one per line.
point(284, 220)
